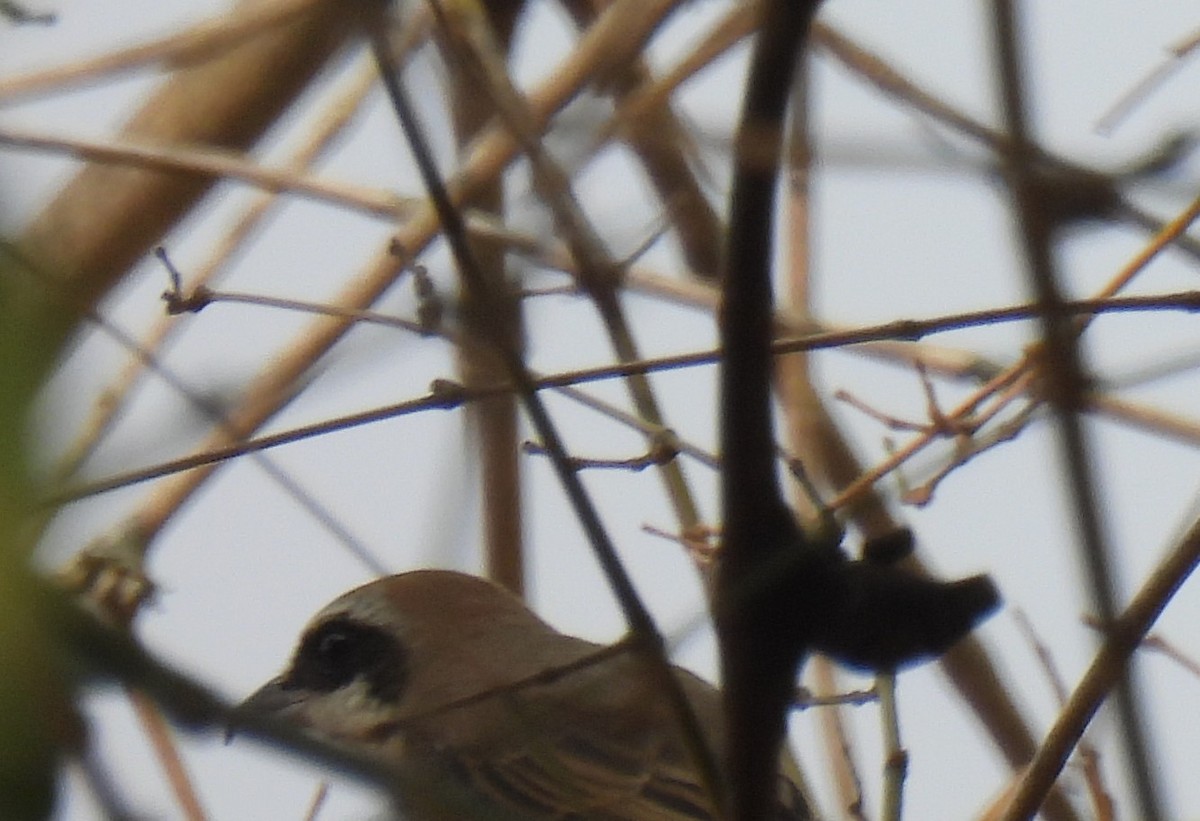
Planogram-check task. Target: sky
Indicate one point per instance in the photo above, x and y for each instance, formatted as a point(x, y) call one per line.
point(908, 223)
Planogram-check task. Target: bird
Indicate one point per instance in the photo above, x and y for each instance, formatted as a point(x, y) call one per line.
point(482, 710)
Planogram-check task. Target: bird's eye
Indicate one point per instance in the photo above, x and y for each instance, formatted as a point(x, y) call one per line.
point(335, 649)
point(336, 652)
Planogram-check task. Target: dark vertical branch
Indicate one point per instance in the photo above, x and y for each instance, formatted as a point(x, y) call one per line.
point(1038, 209)
point(751, 490)
point(758, 658)
point(779, 592)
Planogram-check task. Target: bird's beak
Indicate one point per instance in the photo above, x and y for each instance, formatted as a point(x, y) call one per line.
point(272, 700)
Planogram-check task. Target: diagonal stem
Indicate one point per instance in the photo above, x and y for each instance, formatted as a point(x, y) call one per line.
point(1065, 381)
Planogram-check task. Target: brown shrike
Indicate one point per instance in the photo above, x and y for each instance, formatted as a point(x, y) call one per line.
point(484, 711)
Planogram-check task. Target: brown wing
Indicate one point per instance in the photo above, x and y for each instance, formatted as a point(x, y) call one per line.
point(571, 776)
point(553, 762)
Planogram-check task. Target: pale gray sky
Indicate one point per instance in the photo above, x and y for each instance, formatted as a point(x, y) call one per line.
point(908, 225)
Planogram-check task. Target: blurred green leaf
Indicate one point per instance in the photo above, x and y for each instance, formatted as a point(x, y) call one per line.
point(38, 722)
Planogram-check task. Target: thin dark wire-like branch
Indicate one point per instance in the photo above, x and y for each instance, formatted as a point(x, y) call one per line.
point(448, 395)
point(1065, 380)
point(439, 398)
point(910, 330)
point(288, 483)
point(641, 624)
point(597, 273)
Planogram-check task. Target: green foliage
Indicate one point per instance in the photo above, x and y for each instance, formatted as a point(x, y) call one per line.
point(37, 718)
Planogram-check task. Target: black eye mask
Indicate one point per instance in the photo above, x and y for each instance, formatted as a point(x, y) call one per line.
point(338, 651)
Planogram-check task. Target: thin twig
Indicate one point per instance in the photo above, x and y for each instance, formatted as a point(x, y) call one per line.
point(598, 273)
point(1102, 802)
point(1064, 378)
point(1121, 641)
point(641, 625)
point(839, 750)
point(165, 748)
point(1158, 644)
point(213, 162)
point(201, 42)
point(318, 801)
point(892, 82)
point(1142, 89)
point(1014, 379)
point(895, 757)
